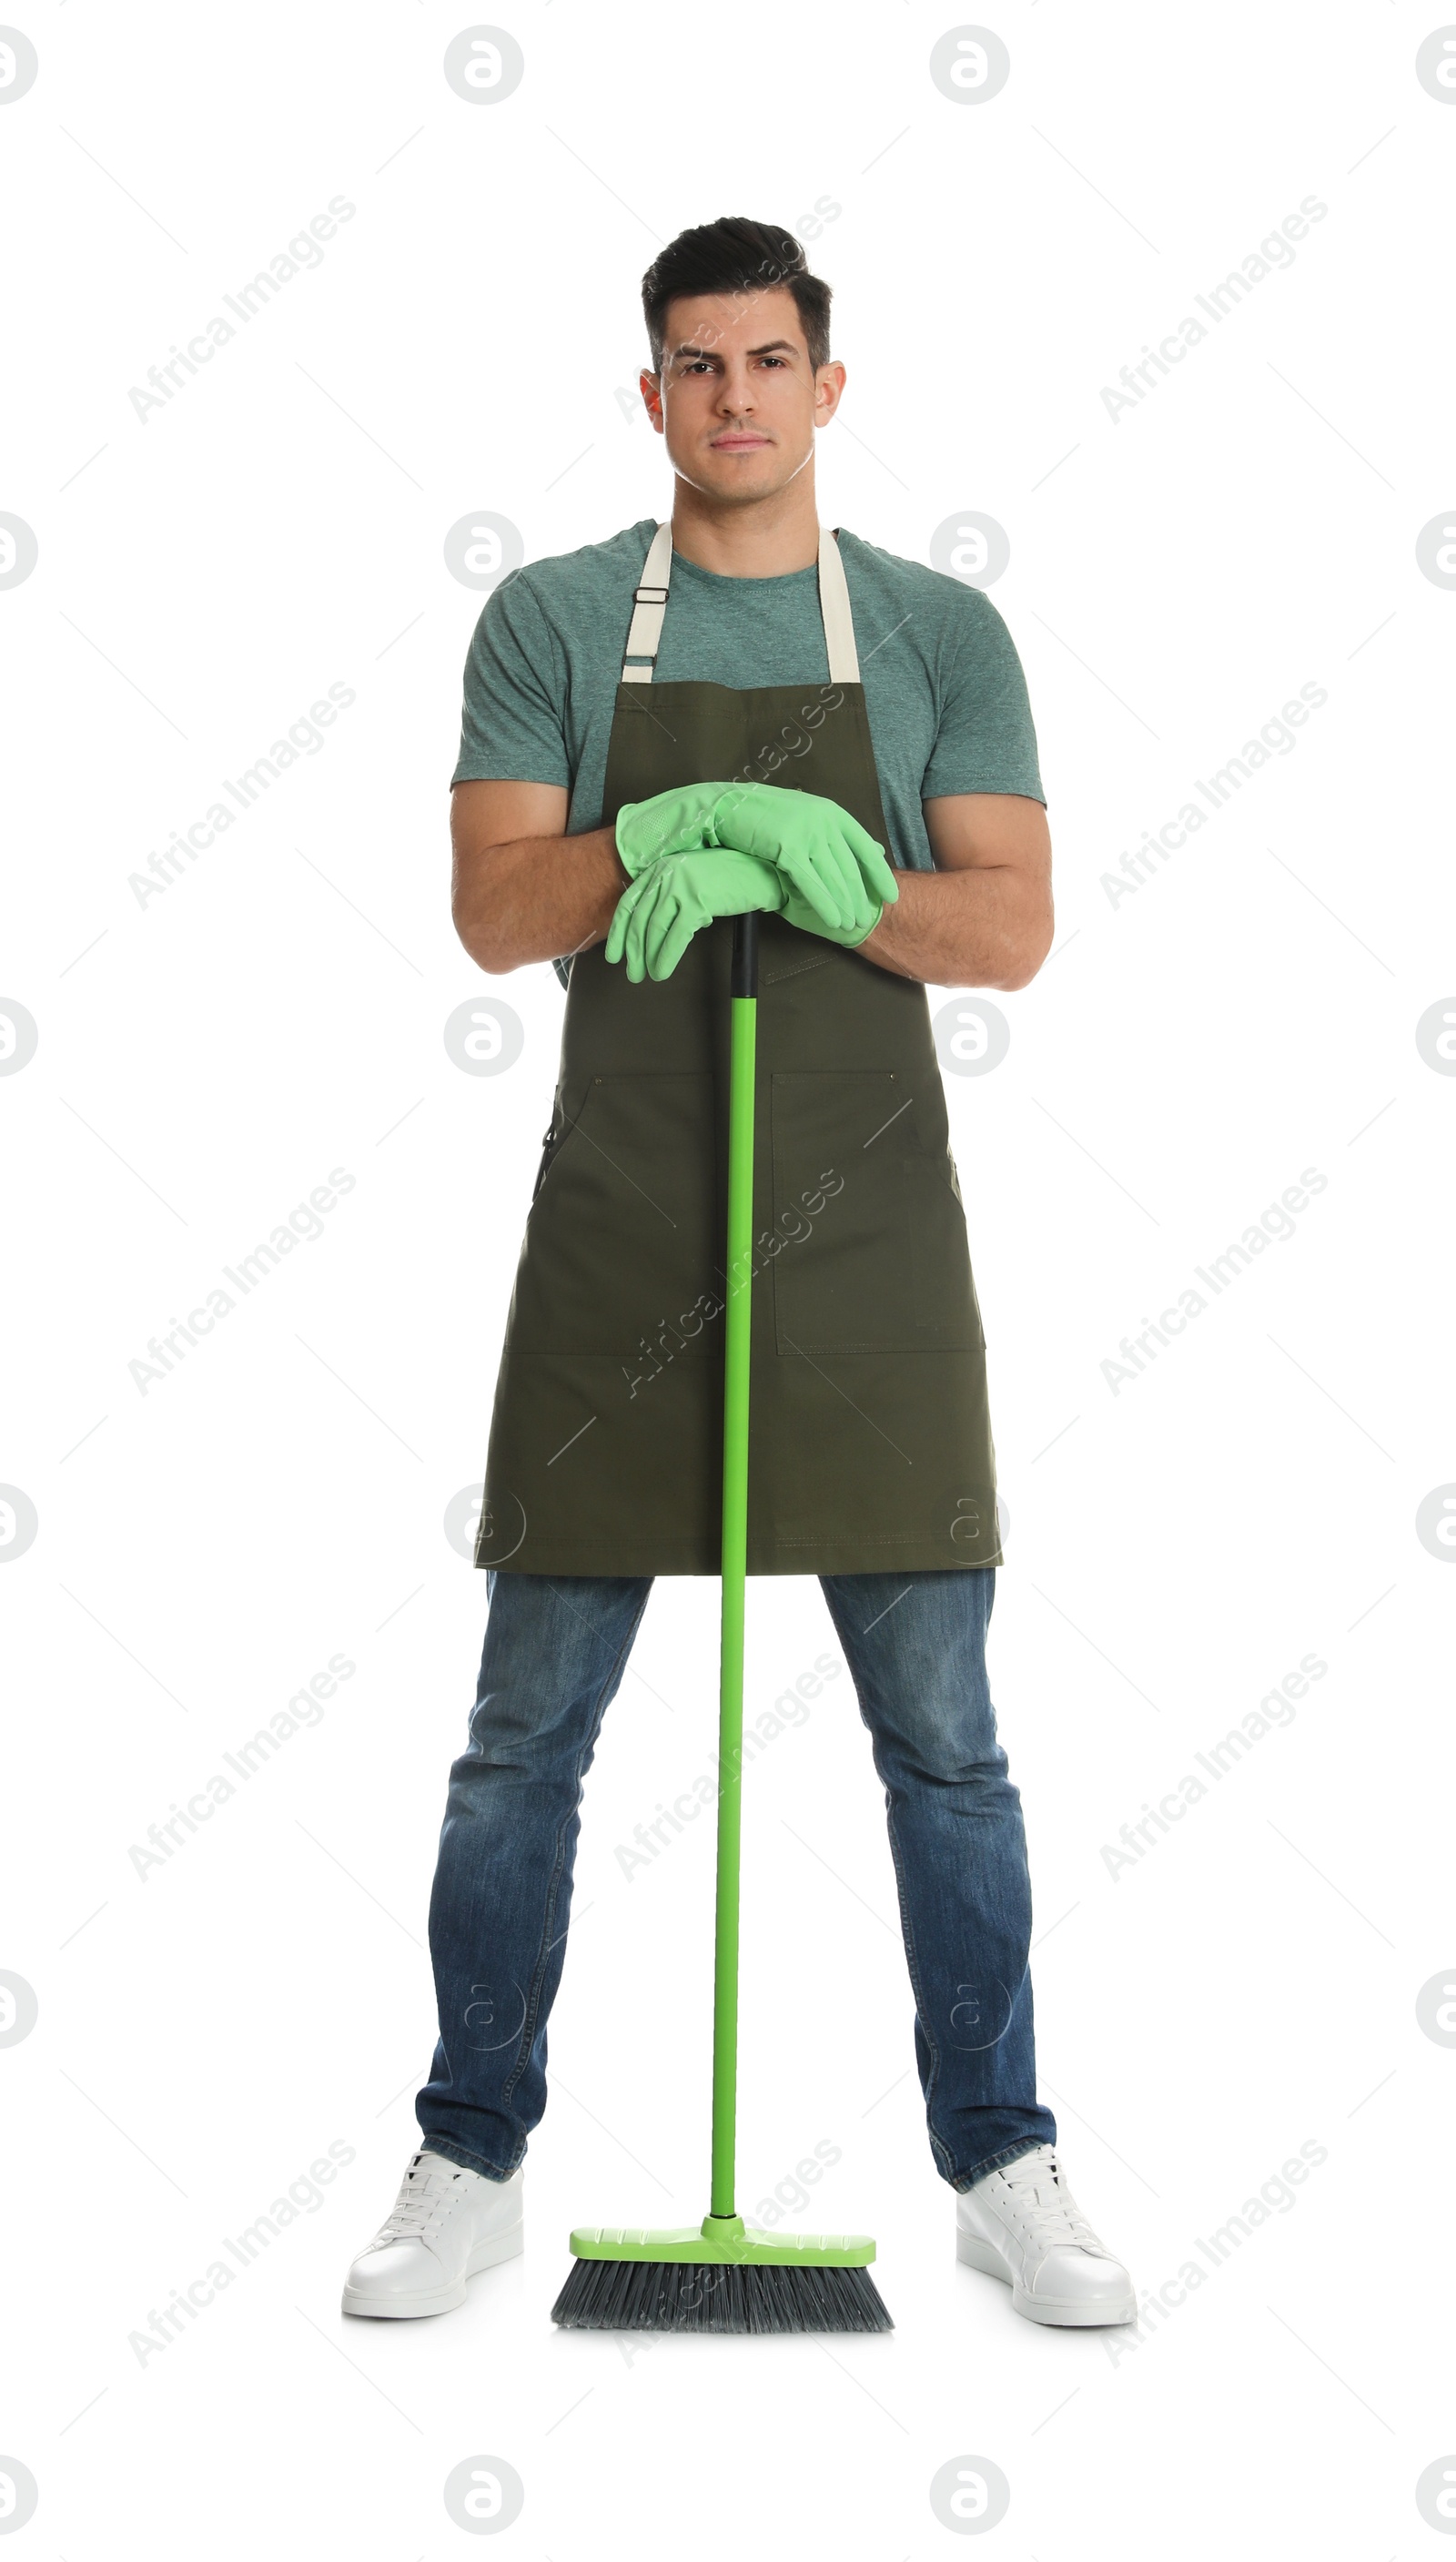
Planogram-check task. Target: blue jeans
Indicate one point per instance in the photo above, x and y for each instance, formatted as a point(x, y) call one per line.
point(555, 1650)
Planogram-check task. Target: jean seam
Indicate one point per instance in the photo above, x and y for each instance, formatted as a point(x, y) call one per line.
point(945, 2159)
point(998, 2161)
point(912, 1964)
point(464, 2160)
point(533, 1998)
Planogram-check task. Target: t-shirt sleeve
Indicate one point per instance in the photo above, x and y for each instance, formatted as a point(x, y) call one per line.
point(512, 725)
point(986, 740)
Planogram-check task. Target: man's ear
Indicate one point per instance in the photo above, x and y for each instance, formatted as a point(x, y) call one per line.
point(828, 386)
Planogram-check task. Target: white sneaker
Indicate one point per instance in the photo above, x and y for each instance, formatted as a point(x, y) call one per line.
point(444, 2224)
point(1024, 2224)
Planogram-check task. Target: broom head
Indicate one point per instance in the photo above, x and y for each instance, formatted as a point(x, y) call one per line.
point(722, 2275)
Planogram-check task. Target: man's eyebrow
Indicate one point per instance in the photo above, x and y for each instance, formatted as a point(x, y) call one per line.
point(770, 347)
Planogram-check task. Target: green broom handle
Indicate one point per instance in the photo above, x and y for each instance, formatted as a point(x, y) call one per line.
point(744, 1024)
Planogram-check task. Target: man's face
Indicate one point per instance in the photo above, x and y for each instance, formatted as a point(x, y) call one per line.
point(737, 398)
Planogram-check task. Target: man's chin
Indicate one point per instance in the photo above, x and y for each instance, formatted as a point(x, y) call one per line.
point(759, 471)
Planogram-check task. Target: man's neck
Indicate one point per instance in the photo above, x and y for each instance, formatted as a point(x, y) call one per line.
point(768, 539)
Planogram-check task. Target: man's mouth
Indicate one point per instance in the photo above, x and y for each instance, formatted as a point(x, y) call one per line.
point(738, 441)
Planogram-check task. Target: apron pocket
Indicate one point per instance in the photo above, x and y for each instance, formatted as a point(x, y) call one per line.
point(549, 1145)
point(946, 1311)
point(874, 1257)
point(623, 1234)
point(843, 1279)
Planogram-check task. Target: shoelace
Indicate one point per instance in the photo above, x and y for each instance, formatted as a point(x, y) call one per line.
point(422, 2202)
point(1043, 2203)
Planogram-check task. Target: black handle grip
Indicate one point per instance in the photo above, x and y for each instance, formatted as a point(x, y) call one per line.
point(745, 955)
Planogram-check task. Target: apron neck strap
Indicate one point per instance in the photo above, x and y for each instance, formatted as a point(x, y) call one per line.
point(834, 607)
point(650, 604)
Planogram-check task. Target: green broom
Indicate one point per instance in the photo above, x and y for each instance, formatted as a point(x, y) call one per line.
point(726, 2275)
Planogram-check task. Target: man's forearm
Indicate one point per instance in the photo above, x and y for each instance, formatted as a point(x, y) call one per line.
point(535, 898)
point(982, 927)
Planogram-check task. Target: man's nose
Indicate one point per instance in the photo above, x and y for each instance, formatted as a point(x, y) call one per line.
point(735, 391)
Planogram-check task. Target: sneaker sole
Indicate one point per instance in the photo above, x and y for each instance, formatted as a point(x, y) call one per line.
point(1043, 2308)
point(442, 2299)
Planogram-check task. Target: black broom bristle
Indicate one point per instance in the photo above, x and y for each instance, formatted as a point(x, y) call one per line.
point(657, 2294)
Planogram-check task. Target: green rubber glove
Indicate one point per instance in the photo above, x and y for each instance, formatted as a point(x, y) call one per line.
point(655, 919)
point(838, 879)
point(669, 824)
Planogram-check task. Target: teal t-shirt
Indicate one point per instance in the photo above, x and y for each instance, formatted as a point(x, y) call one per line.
point(943, 684)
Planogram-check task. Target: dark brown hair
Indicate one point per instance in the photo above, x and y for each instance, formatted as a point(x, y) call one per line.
point(734, 256)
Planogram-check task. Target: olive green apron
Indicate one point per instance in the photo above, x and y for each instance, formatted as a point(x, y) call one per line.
point(870, 1446)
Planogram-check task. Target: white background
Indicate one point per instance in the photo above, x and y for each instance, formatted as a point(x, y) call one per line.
point(1250, 1985)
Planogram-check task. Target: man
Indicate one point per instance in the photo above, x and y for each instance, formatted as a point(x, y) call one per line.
point(662, 732)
